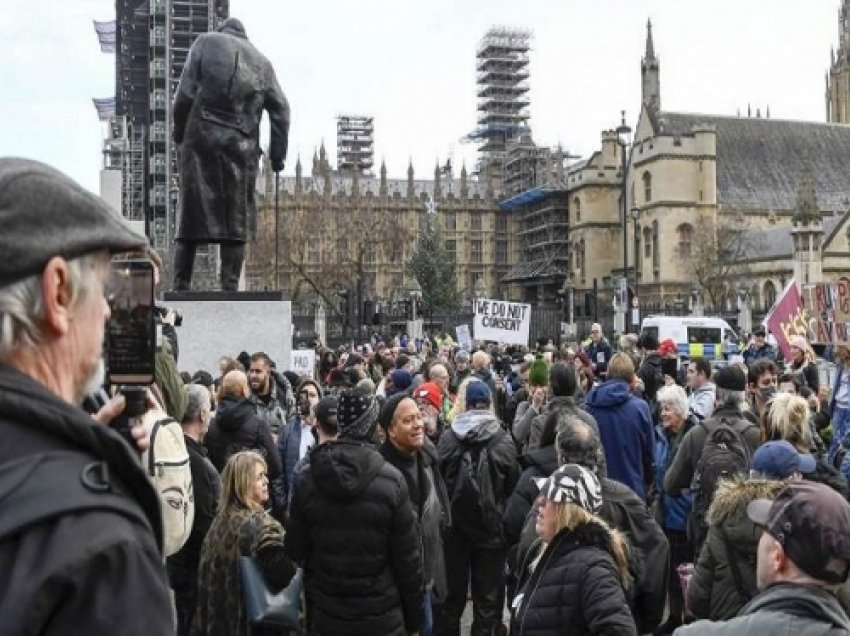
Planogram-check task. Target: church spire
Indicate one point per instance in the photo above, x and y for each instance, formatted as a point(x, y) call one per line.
point(650, 47)
point(650, 73)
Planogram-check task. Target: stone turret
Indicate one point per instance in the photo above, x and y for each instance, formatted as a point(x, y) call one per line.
point(411, 191)
point(650, 73)
point(807, 233)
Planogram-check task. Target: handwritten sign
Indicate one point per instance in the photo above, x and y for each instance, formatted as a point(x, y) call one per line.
point(464, 340)
point(303, 362)
point(828, 312)
point(787, 318)
point(501, 321)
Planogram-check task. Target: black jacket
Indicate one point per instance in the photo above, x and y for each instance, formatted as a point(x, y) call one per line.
point(225, 86)
point(474, 430)
point(574, 589)
point(352, 527)
point(651, 374)
point(538, 463)
point(624, 510)
point(206, 486)
point(431, 505)
point(80, 571)
point(237, 427)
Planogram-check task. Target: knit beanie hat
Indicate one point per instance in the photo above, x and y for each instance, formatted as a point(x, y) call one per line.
point(538, 373)
point(357, 414)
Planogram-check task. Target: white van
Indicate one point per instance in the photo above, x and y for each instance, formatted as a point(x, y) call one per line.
point(695, 336)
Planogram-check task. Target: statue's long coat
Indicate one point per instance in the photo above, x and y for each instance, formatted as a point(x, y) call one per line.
point(225, 85)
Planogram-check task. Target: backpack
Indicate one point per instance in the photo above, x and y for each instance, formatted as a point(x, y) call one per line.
point(724, 453)
point(167, 465)
point(474, 497)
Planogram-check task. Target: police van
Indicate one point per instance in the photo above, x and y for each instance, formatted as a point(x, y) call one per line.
point(695, 336)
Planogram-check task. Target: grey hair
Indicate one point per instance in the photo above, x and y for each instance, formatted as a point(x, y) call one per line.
point(675, 397)
point(22, 304)
point(729, 398)
point(198, 400)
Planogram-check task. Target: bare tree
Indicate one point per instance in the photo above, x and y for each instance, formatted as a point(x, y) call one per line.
point(715, 252)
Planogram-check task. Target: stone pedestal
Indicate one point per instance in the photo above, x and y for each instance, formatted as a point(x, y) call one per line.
point(216, 324)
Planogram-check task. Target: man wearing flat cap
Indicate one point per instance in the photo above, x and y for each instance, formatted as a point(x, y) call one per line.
point(80, 529)
point(803, 555)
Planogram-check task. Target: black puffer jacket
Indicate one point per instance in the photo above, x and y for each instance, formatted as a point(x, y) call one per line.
point(713, 592)
point(574, 589)
point(650, 555)
point(236, 427)
point(353, 528)
point(78, 570)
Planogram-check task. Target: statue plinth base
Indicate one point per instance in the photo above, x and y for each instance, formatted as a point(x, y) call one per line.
point(217, 324)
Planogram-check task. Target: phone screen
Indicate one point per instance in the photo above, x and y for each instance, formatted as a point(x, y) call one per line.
point(131, 332)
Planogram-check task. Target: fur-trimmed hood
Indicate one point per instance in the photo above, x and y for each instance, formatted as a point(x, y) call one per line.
point(733, 495)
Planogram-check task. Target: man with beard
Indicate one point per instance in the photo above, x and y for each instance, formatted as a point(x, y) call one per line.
point(81, 529)
point(271, 393)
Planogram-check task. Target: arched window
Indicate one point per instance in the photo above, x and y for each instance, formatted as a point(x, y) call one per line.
point(647, 242)
point(577, 206)
point(755, 296)
point(768, 294)
point(685, 233)
point(647, 187)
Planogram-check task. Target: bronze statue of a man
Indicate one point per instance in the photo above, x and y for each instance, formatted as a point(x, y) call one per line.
point(225, 86)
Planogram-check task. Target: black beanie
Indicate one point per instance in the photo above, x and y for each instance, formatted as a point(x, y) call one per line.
point(388, 410)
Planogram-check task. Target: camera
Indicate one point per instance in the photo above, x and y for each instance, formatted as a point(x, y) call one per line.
point(162, 311)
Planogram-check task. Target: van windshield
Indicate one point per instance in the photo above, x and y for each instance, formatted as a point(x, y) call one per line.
point(704, 335)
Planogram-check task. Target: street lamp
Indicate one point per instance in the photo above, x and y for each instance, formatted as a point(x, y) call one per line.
point(568, 291)
point(635, 214)
point(623, 131)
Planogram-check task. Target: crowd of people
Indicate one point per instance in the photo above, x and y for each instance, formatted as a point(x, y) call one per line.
point(552, 490)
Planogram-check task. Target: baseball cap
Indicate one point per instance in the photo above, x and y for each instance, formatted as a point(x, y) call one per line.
point(572, 483)
point(667, 347)
point(429, 392)
point(812, 523)
point(44, 213)
point(477, 394)
point(779, 459)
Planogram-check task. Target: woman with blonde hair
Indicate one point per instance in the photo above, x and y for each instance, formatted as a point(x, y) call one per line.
point(576, 577)
point(802, 363)
point(460, 401)
point(787, 418)
point(241, 527)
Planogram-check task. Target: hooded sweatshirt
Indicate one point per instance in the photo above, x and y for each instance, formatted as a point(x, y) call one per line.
point(625, 428)
point(353, 529)
point(236, 427)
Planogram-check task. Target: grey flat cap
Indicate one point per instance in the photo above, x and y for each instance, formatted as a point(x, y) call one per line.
point(44, 213)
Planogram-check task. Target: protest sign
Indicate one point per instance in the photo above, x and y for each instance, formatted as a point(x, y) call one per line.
point(828, 312)
point(303, 362)
point(787, 318)
point(464, 340)
point(501, 321)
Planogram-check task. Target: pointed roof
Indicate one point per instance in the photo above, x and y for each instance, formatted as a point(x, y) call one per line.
point(650, 46)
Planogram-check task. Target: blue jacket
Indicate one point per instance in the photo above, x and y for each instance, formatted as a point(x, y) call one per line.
point(288, 445)
point(673, 510)
point(625, 428)
point(753, 353)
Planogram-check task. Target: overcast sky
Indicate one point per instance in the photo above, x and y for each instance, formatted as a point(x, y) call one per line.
point(411, 64)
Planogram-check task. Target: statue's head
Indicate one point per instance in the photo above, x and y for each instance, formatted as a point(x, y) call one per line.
point(233, 26)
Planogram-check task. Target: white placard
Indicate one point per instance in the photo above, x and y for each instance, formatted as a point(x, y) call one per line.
point(502, 321)
point(303, 362)
point(464, 340)
point(414, 329)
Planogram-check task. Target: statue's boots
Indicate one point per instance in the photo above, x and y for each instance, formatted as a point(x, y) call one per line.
point(184, 261)
point(232, 256)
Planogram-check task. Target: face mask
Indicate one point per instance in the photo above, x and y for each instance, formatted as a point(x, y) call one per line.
point(767, 392)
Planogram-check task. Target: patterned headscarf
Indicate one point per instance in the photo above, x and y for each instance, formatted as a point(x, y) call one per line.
point(357, 414)
point(572, 483)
